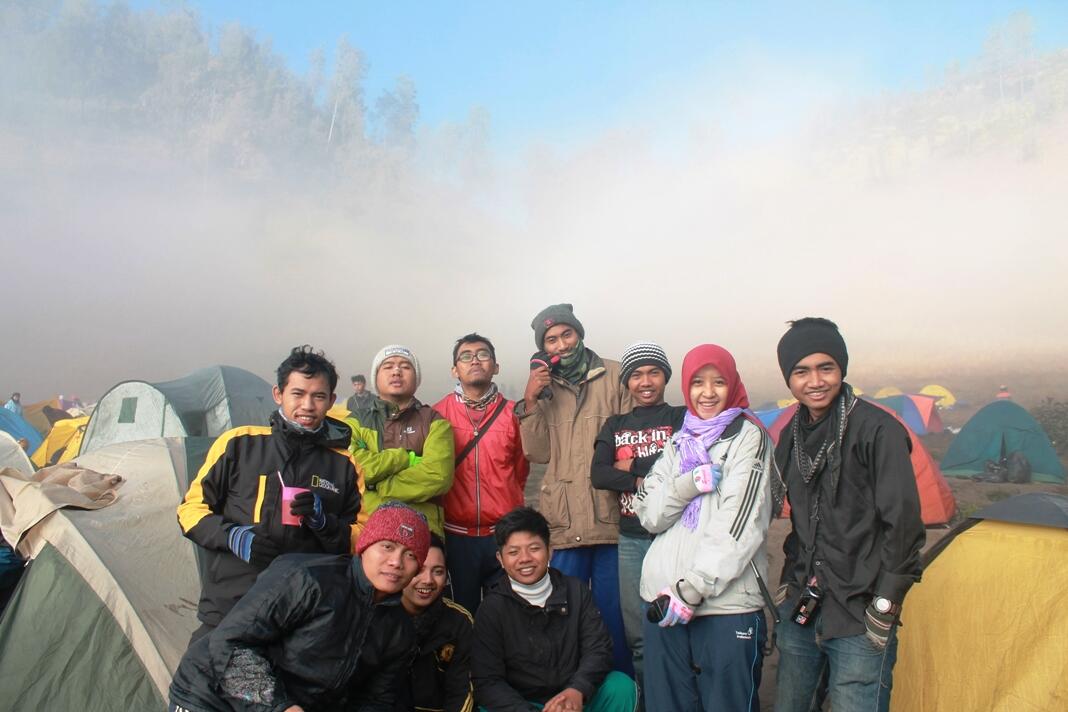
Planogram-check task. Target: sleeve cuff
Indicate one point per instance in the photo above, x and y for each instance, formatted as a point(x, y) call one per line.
point(893, 587)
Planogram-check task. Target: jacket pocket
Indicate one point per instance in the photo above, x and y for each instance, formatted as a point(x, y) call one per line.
point(606, 506)
point(554, 506)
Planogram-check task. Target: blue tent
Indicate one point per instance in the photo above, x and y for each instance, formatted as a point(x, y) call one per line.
point(906, 410)
point(767, 417)
point(17, 427)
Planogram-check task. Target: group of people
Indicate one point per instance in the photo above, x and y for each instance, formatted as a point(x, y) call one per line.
point(638, 581)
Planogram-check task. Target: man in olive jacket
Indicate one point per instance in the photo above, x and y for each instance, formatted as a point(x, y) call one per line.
point(560, 417)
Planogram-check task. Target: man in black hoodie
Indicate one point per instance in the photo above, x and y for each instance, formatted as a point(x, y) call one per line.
point(626, 448)
point(239, 508)
point(854, 551)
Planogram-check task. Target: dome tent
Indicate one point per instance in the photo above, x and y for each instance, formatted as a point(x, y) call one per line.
point(206, 403)
point(997, 430)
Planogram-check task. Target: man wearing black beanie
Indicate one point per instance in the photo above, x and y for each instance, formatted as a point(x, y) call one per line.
point(857, 533)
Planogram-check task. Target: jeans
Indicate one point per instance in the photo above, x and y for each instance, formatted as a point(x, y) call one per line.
point(632, 551)
point(858, 675)
point(598, 567)
point(472, 562)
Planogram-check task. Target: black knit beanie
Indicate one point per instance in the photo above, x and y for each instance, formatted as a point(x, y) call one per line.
point(811, 335)
point(643, 353)
point(550, 317)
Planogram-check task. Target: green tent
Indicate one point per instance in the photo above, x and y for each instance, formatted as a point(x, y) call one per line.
point(105, 609)
point(997, 430)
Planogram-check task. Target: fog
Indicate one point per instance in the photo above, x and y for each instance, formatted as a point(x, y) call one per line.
point(173, 196)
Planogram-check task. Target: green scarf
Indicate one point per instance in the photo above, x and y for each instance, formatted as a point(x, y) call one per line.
point(574, 366)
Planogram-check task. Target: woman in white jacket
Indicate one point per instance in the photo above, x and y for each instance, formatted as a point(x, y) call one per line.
point(708, 500)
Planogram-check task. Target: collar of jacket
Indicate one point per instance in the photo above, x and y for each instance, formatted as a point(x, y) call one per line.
point(392, 412)
point(333, 434)
point(596, 370)
point(556, 603)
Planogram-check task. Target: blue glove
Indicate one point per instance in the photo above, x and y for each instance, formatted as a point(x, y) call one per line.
point(252, 547)
point(309, 506)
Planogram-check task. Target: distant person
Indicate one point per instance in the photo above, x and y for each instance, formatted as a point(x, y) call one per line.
point(1003, 393)
point(314, 632)
point(236, 509)
point(625, 450)
point(361, 398)
point(854, 551)
point(14, 404)
point(562, 413)
point(491, 469)
point(404, 448)
point(539, 639)
point(440, 678)
point(708, 500)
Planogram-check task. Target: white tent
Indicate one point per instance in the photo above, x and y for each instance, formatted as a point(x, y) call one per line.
point(206, 403)
point(12, 455)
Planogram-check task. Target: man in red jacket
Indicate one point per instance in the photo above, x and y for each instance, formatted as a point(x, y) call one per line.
point(491, 469)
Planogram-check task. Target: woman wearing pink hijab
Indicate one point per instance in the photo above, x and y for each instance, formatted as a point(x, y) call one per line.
point(708, 500)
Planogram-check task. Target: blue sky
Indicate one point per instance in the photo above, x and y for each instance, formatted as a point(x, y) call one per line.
point(556, 71)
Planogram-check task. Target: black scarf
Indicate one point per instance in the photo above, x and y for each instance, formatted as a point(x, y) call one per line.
point(829, 454)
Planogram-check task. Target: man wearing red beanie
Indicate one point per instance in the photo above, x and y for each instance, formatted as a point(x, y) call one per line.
point(314, 632)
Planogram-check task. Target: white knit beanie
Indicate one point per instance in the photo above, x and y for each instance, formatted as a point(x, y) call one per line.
point(396, 350)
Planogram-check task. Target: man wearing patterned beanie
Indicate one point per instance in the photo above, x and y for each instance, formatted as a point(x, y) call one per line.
point(626, 448)
point(560, 416)
point(403, 448)
point(314, 631)
point(856, 536)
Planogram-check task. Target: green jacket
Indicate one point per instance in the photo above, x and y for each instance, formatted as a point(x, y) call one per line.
point(408, 457)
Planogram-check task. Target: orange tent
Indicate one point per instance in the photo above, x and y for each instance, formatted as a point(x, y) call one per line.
point(936, 499)
point(928, 407)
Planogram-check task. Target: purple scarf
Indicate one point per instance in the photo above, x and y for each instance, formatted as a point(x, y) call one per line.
point(693, 442)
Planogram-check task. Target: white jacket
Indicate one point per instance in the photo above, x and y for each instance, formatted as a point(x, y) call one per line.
point(732, 529)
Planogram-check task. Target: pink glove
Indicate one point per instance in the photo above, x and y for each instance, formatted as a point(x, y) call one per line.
point(706, 477)
point(678, 611)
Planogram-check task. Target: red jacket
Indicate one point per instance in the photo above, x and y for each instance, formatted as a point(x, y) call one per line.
point(489, 482)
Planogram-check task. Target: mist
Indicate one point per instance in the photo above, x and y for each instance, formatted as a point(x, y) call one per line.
point(173, 196)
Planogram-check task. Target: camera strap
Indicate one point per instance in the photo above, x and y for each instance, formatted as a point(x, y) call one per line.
point(814, 515)
point(479, 432)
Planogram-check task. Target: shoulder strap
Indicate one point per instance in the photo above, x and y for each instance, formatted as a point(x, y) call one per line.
point(480, 432)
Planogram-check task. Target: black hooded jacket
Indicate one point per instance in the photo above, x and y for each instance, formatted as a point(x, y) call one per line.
point(327, 644)
point(525, 654)
point(240, 483)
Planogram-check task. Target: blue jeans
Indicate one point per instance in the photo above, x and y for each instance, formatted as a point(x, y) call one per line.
point(632, 551)
point(713, 663)
point(472, 563)
point(598, 567)
point(859, 676)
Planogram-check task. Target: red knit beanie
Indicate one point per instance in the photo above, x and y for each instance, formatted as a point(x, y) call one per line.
point(399, 523)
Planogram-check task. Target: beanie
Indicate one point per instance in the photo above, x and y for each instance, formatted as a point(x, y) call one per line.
point(397, 522)
point(811, 336)
point(550, 317)
point(396, 350)
point(643, 353)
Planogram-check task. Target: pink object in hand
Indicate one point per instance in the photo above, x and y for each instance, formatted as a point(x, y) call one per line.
point(288, 494)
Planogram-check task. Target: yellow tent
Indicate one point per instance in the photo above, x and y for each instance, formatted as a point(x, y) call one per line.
point(64, 440)
point(887, 391)
point(945, 398)
point(986, 628)
point(785, 402)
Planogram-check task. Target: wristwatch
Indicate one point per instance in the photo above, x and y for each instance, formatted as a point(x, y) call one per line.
point(884, 605)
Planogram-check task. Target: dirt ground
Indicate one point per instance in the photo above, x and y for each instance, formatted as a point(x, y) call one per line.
point(970, 497)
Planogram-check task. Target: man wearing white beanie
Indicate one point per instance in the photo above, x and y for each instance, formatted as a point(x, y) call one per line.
point(404, 448)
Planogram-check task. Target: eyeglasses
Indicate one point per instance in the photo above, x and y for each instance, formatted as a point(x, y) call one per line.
point(469, 356)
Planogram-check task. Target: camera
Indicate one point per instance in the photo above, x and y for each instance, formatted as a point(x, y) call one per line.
point(808, 604)
point(552, 363)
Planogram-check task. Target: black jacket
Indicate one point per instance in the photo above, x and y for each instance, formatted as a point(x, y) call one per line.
point(869, 535)
point(239, 484)
point(639, 435)
point(314, 619)
point(440, 679)
point(525, 654)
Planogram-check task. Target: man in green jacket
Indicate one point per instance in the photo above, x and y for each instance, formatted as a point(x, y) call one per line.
point(403, 449)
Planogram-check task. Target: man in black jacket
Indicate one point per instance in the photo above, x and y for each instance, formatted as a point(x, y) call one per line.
point(440, 679)
point(539, 638)
point(314, 632)
point(626, 448)
point(854, 550)
point(236, 508)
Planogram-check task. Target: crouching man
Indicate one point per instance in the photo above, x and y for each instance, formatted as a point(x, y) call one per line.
point(540, 642)
point(315, 632)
